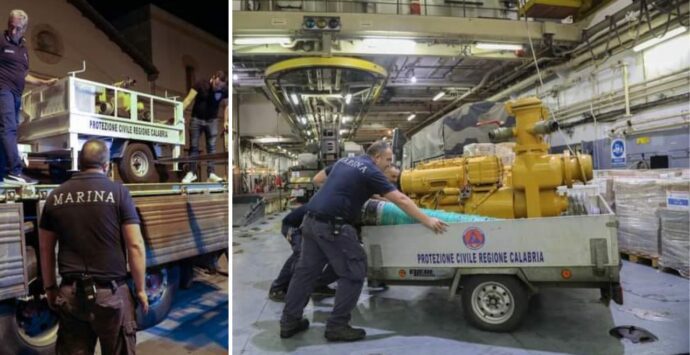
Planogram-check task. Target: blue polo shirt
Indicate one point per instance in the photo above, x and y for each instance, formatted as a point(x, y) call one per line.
point(87, 213)
point(14, 64)
point(350, 183)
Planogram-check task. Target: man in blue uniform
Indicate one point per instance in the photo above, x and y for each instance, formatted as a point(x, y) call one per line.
point(291, 230)
point(14, 73)
point(328, 236)
point(96, 224)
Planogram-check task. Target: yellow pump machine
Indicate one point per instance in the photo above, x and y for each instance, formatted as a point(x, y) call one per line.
point(474, 184)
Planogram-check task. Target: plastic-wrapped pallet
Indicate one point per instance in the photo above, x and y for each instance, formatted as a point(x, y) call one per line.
point(478, 149)
point(675, 240)
point(506, 153)
point(677, 193)
point(637, 201)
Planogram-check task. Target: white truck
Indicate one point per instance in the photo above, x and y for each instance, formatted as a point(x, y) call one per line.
point(498, 265)
point(182, 225)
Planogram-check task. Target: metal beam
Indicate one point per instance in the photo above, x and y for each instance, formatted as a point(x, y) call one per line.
point(355, 47)
point(251, 23)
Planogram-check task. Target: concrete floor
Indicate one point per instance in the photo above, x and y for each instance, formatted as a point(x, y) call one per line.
point(414, 320)
point(197, 323)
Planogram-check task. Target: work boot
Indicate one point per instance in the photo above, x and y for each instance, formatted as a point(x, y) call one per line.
point(346, 333)
point(189, 177)
point(299, 326)
point(323, 291)
point(277, 295)
point(214, 178)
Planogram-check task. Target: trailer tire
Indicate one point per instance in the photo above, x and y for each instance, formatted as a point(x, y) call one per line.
point(161, 286)
point(15, 341)
point(496, 303)
point(137, 164)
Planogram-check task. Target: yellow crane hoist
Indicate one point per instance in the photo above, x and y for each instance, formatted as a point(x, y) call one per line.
point(474, 185)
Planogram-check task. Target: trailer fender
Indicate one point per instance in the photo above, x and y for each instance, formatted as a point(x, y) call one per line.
point(460, 272)
point(117, 148)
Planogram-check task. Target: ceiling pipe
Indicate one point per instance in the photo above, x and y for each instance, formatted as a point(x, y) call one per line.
point(626, 37)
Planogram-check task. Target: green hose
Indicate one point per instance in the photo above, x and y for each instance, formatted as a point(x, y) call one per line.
point(381, 213)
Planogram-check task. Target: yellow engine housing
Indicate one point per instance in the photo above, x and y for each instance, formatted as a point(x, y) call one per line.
point(478, 185)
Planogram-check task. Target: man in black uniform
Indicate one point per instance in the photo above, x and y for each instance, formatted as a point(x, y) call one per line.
point(96, 224)
point(291, 230)
point(14, 73)
point(328, 236)
point(207, 96)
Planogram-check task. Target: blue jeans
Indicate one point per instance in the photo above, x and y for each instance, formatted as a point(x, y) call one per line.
point(210, 130)
point(10, 105)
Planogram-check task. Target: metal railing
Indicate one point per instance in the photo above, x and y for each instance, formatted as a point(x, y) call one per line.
point(499, 9)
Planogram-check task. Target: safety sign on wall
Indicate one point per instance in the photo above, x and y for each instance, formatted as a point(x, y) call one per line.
point(618, 152)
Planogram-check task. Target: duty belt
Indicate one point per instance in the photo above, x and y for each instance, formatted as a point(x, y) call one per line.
point(69, 279)
point(336, 222)
point(327, 218)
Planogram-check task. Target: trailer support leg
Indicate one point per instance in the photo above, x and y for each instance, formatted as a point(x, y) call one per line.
point(454, 285)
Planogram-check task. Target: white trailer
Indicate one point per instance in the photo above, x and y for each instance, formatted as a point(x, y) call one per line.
point(139, 128)
point(498, 265)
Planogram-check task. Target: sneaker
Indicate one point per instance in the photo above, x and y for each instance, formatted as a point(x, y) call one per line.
point(277, 295)
point(214, 178)
point(323, 291)
point(346, 333)
point(19, 179)
point(189, 177)
point(300, 326)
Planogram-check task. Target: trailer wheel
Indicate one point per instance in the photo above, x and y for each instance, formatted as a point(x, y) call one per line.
point(137, 164)
point(27, 327)
point(161, 285)
point(495, 303)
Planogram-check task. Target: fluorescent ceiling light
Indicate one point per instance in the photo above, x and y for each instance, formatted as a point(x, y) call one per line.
point(262, 40)
point(413, 79)
point(343, 131)
point(654, 41)
point(411, 117)
point(439, 96)
point(294, 99)
point(347, 119)
point(270, 140)
point(390, 44)
point(500, 46)
point(348, 98)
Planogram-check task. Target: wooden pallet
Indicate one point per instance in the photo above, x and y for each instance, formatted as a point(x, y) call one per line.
point(640, 258)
